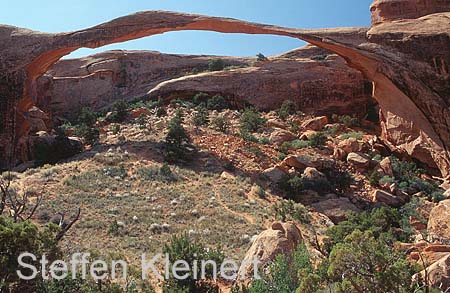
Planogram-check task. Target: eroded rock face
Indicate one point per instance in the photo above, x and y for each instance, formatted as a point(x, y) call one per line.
point(387, 10)
point(408, 62)
point(318, 86)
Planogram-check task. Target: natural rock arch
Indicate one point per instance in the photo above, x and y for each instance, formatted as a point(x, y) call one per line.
point(415, 107)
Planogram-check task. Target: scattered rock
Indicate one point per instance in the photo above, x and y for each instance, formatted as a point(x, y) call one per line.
point(274, 174)
point(279, 136)
point(386, 166)
point(360, 161)
point(439, 221)
point(380, 196)
point(316, 123)
point(313, 174)
point(336, 209)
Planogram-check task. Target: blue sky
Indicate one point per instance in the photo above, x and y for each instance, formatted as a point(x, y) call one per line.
point(58, 16)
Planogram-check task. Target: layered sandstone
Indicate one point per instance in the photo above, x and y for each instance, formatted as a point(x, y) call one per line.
point(407, 61)
point(387, 10)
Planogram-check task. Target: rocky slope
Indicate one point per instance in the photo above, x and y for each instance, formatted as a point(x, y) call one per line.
point(407, 60)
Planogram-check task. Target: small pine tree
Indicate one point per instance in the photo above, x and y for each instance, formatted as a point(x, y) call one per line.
point(177, 142)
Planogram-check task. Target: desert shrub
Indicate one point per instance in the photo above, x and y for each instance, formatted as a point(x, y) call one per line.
point(260, 57)
point(89, 134)
point(347, 120)
point(200, 117)
point(358, 135)
point(141, 121)
point(339, 179)
point(221, 124)
point(118, 112)
point(218, 103)
point(286, 109)
point(319, 57)
point(264, 140)
point(87, 117)
point(160, 112)
point(295, 186)
point(382, 222)
point(251, 120)
point(16, 238)
point(247, 136)
point(163, 173)
point(183, 248)
point(177, 145)
point(290, 210)
point(408, 178)
point(216, 65)
point(200, 98)
point(353, 265)
point(318, 139)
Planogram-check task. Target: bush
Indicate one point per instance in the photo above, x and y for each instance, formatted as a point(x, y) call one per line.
point(287, 108)
point(247, 136)
point(221, 124)
point(160, 112)
point(200, 98)
point(251, 120)
point(163, 173)
point(291, 211)
point(260, 57)
point(347, 120)
point(318, 139)
point(89, 134)
point(177, 143)
point(182, 248)
point(319, 57)
point(16, 238)
point(118, 112)
point(217, 102)
point(87, 117)
point(201, 116)
point(358, 135)
point(216, 65)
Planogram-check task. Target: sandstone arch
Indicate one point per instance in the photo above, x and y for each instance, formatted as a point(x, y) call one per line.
point(411, 87)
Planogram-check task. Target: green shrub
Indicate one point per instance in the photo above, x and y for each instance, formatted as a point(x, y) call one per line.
point(200, 98)
point(291, 211)
point(160, 112)
point(87, 117)
point(183, 248)
point(141, 121)
point(260, 57)
point(221, 124)
point(287, 108)
point(177, 143)
point(16, 238)
point(201, 117)
point(118, 112)
point(318, 139)
point(89, 134)
point(264, 140)
point(251, 120)
point(163, 173)
point(216, 65)
point(217, 102)
point(347, 120)
point(247, 136)
point(319, 57)
point(358, 135)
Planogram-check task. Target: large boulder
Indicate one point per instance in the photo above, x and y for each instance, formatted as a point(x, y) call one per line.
point(360, 161)
point(438, 274)
point(439, 221)
point(381, 196)
point(308, 160)
point(280, 238)
point(316, 123)
point(337, 209)
point(279, 136)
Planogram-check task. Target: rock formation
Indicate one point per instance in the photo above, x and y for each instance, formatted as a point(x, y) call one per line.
point(407, 60)
point(386, 10)
point(327, 86)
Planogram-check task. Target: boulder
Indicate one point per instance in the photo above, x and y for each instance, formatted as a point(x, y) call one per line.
point(349, 145)
point(316, 123)
point(438, 274)
point(336, 209)
point(313, 174)
point(439, 221)
point(386, 166)
point(308, 160)
point(274, 174)
point(280, 238)
point(308, 134)
point(381, 196)
point(139, 111)
point(360, 161)
point(279, 136)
